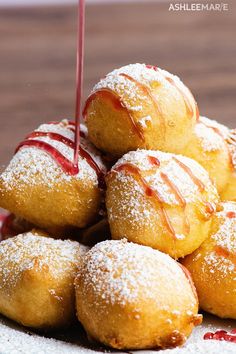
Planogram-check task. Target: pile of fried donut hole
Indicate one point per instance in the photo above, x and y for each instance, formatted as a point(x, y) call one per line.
point(141, 236)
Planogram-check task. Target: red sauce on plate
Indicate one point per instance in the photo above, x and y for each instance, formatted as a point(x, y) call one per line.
point(221, 335)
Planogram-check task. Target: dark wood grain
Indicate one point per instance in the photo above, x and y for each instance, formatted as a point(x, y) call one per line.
point(37, 58)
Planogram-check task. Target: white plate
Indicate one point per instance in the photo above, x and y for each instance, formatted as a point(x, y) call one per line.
point(18, 340)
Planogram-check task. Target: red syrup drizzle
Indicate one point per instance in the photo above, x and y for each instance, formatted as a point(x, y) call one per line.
point(67, 165)
point(154, 161)
point(188, 105)
point(79, 78)
point(209, 207)
point(149, 191)
point(195, 180)
point(221, 251)
point(232, 137)
point(117, 103)
point(7, 229)
point(6, 226)
point(148, 92)
point(179, 197)
point(3, 217)
point(221, 335)
point(229, 140)
point(231, 214)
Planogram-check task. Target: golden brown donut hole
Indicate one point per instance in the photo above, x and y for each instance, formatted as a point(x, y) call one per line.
point(36, 280)
point(133, 297)
point(212, 265)
point(160, 200)
point(140, 106)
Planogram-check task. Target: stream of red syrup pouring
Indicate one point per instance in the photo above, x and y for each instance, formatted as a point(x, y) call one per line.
point(70, 167)
point(73, 167)
point(79, 78)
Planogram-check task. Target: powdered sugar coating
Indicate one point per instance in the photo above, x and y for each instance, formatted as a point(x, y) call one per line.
point(27, 251)
point(176, 174)
point(232, 145)
point(130, 205)
point(215, 136)
point(124, 88)
point(223, 262)
point(224, 130)
point(65, 128)
point(30, 161)
point(210, 139)
point(127, 89)
point(145, 121)
point(226, 234)
point(120, 273)
point(220, 265)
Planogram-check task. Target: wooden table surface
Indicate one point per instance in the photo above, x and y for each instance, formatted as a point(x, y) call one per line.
point(37, 58)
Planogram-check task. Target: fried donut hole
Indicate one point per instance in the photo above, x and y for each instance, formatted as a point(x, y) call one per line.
point(36, 280)
point(37, 188)
point(160, 200)
point(133, 297)
point(209, 147)
point(213, 265)
point(140, 106)
point(213, 145)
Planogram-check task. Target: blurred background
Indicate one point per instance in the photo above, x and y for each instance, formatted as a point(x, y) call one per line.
point(38, 46)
